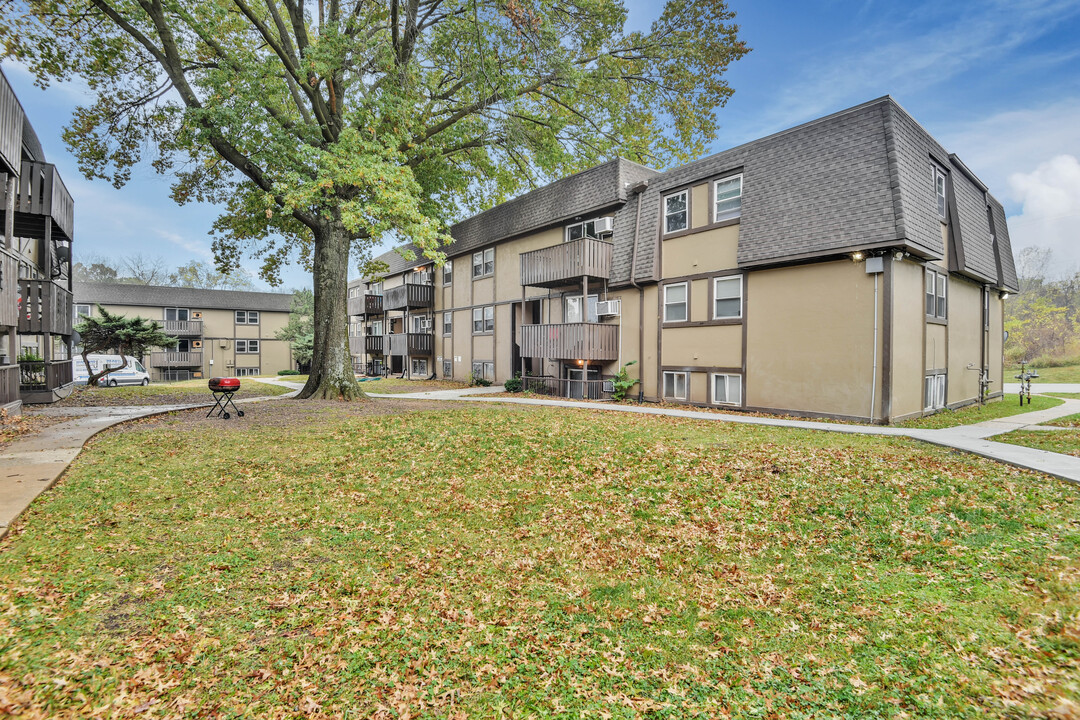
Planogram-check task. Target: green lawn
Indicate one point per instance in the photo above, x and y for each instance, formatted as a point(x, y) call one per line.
point(1065, 374)
point(1008, 405)
point(185, 391)
point(1066, 442)
point(393, 385)
point(499, 562)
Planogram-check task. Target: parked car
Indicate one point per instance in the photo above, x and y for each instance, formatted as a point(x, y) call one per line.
point(133, 374)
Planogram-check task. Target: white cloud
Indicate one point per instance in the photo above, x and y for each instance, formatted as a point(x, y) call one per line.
point(1050, 215)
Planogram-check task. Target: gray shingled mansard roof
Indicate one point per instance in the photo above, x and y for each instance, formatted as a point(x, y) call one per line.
point(861, 178)
point(158, 296)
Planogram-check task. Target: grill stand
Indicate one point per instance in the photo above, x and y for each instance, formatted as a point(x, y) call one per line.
point(222, 400)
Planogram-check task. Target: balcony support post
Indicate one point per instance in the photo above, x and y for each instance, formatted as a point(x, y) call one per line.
point(585, 314)
point(9, 211)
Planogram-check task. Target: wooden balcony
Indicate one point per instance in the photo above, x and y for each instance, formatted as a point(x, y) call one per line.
point(408, 297)
point(11, 128)
point(44, 307)
point(570, 341)
point(184, 328)
point(176, 359)
point(9, 291)
point(364, 305)
point(9, 384)
point(567, 262)
point(38, 380)
point(356, 345)
point(40, 194)
point(411, 343)
point(373, 344)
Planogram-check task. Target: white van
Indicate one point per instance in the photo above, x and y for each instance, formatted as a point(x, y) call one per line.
point(133, 374)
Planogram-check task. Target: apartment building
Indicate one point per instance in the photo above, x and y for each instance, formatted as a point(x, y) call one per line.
point(35, 265)
point(850, 267)
point(219, 332)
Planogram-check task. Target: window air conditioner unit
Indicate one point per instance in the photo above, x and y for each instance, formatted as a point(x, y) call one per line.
point(603, 225)
point(197, 344)
point(196, 315)
point(609, 307)
point(425, 278)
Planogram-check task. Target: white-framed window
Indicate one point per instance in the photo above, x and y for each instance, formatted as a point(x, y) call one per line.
point(934, 391)
point(247, 317)
point(375, 288)
point(572, 310)
point(937, 303)
point(354, 292)
point(448, 272)
point(447, 323)
point(676, 212)
point(447, 369)
point(727, 196)
point(421, 324)
point(483, 319)
point(675, 384)
point(419, 367)
point(675, 304)
point(247, 371)
point(726, 389)
point(375, 327)
point(247, 346)
point(79, 312)
point(177, 314)
point(727, 297)
point(483, 263)
point(939, 191)
point(579, 230)
point(354, 329)
point(484, 369)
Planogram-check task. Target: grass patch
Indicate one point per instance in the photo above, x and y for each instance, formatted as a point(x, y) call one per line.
point(396, 385)
point(176, 393)
point(1066, 442)
point(495, 561)
point(1067, 421)
point(1064, 374)
point(1005, 407)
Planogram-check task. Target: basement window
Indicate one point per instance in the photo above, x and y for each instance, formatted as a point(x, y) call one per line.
point(675, 385)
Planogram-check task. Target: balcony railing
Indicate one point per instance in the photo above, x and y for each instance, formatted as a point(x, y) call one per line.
point(373, 344)
point(11, 127)
point(409, 296)
point(560, 264)
point(176, 359)
point(42, 376)
point(356, 345)
point(184, 328)
point(563, 387)
point(363, 305)
point(570, 341)
point(9, 291)
point(9, 384)
point(44, 307)
point(39, 193)
point(411, 344)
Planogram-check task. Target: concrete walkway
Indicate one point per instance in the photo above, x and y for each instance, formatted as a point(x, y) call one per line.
point(30, 466)
point(968, 438)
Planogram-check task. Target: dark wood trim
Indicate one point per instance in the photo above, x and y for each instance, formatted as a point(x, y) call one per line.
point(702, 276)
point(704, 228)
point(886, 339)
point(702, 323)
point(937, 321)
point(935, 371)
point(745, 334)
point(702, 368)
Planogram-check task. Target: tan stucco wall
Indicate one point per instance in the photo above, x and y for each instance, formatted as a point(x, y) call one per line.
point(712, 346)
point(995, 343)
point(936, 347)
point(965, 332)
point(810, 339)
point(706, 251)
point(909, 323)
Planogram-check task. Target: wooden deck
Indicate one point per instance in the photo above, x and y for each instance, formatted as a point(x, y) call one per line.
point(184, 328)
point(44, 307)
point(570, 341)
point(40, 193)
point(567, 263)
point(373, 344)
point(9, 384)
point(411, 344)
point(11, 128)
point(364, 305)
point(408, 297)
point(176, 359)
point(9, 291)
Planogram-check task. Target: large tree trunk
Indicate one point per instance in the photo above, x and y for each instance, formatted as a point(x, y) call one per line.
point(331, 374)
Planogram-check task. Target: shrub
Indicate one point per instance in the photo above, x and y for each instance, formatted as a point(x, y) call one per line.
point(513, 384)
point(476, 379)
point(622, 382)
point(288, 372)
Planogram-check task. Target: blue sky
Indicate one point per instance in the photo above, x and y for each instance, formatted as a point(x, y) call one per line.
point(998, 83)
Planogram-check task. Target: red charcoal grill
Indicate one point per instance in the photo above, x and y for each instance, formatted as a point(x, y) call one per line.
point(224, 388)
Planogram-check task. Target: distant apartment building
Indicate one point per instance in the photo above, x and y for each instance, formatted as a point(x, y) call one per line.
point(219, 332)
point(850, 267)
point(35, 265)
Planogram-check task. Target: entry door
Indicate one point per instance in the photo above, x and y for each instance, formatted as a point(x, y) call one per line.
point(577, 388)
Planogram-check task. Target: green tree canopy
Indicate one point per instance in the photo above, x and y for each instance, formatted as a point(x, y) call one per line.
point(106, 331)
point(323, 129)
point(300, 330)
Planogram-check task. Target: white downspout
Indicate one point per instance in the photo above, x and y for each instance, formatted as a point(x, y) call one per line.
point(873, 373)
